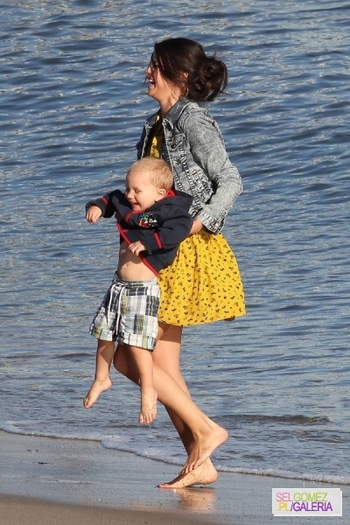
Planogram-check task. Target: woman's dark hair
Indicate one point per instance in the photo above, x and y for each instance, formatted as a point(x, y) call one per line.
point(184, 62)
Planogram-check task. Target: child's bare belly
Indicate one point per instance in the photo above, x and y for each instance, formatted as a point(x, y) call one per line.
point(131, 268)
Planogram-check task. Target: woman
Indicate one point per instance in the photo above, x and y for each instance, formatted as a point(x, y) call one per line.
point(203, 284)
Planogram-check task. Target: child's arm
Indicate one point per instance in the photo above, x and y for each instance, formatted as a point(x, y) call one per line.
point(106, 205)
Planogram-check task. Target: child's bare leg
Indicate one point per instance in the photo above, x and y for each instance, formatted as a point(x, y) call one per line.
point(144, 365)
point(104, 357)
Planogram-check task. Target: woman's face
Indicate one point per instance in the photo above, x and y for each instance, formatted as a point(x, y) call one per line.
point(159, 88)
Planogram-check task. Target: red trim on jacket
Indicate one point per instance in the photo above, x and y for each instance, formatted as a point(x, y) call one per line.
point(157, 238)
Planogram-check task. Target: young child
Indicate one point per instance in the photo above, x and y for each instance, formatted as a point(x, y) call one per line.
point(152, 220)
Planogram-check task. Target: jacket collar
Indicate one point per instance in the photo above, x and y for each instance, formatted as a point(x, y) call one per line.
point(174, 113)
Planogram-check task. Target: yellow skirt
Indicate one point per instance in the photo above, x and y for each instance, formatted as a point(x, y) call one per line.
point(203, 284)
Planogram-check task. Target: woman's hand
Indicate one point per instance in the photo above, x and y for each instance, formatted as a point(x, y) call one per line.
point(196, 227)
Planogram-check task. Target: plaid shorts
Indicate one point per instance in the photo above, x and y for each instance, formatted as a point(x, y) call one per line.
point(128, 313)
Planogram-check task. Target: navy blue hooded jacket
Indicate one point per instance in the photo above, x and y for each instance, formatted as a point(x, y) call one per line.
point(160, 228)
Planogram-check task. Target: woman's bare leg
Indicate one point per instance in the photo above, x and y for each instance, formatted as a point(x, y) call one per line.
point(200, 435)
point(104, 357)
point(167, 355)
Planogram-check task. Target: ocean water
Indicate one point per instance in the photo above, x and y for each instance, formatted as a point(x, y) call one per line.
point(73, 101)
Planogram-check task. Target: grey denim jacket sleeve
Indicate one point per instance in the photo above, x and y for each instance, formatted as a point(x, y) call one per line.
point(195, 149)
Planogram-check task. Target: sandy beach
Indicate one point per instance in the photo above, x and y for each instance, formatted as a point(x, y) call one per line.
point(46, 481)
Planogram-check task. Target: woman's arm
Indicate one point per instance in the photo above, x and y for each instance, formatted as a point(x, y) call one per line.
point(209, 152)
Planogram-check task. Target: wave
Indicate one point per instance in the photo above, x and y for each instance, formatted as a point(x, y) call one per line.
point(292, 419)
point(10, 428)
point(113, 442)
point(276, 473)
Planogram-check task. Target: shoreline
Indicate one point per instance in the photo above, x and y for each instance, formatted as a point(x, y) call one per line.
point(80, 482)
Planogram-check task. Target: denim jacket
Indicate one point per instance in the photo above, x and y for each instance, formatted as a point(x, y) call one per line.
point(194, 147)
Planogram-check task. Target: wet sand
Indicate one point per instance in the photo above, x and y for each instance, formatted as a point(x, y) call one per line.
point(47, 481)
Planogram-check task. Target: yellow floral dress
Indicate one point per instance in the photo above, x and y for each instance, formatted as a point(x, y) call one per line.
point(203, 284)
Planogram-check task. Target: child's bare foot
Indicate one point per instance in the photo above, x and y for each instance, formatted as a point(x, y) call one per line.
point(204, 447)
point(96, 389)
point(148, 411)
point(202, 475)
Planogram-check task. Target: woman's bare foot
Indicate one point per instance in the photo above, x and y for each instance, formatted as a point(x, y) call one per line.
point(96, 389)
point(202, 475)
point(148, 411)
point(204, 447)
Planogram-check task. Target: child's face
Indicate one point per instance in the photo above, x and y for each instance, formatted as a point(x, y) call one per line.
point(140, 192)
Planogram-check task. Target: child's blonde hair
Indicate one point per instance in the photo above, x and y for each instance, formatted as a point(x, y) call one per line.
point(159, 171)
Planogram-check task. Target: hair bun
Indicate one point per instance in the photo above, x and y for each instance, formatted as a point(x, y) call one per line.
point(206, 76)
